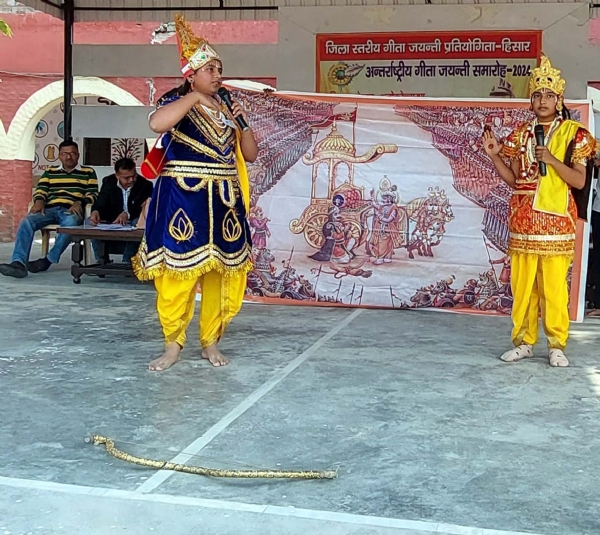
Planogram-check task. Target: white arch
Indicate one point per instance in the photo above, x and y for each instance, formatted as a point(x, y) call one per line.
point(19, 142)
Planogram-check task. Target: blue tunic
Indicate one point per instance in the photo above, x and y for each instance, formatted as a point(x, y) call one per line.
point(196, 219)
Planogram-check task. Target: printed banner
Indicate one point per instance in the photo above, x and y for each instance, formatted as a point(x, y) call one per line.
point(382, 202)
point(433, 64)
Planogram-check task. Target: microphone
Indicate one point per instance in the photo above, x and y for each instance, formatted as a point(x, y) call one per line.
point(539, 140)
point(226, 97)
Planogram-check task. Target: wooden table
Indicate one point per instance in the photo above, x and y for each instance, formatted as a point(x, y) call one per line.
point(100, 269)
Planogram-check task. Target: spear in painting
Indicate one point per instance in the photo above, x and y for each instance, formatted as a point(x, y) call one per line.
point(352, 293)
point(337, 292)
point(394, 296)
point(487, 249)
point(360, 296)
point(317, 281)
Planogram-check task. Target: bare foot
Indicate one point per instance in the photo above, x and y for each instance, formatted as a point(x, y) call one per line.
point(167, 359)
point(518, 353)
point(214, 356)
point(595, 312)
point(558, 358)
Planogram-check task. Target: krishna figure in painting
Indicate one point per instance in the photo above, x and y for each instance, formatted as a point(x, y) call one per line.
point(196, 227)
point(543, 212)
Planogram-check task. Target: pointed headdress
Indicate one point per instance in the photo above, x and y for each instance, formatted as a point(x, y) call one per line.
point(194, 52)
point(546, 77)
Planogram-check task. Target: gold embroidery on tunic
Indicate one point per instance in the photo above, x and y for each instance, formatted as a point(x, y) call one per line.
point(199, 165)
point(223, 139)
point(148, 265)
point(232, 228)
point(231, 196)
point(201, 148)
point(181, 227)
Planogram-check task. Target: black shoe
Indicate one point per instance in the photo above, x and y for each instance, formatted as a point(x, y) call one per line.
point(39, 265)
point(14, 269)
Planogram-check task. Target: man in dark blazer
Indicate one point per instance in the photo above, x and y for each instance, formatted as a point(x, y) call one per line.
point(120, 202)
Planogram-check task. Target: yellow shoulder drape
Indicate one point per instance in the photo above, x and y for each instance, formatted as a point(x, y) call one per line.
point(242, 171)
point(552, 195)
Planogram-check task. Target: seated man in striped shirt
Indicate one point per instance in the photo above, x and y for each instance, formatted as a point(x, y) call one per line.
point(59, 199)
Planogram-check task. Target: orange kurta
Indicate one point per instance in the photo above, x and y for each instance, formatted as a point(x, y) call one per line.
point(533, 231)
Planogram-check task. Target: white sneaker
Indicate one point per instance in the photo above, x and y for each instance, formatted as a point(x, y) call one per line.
point(557, 358)
point(523, 351)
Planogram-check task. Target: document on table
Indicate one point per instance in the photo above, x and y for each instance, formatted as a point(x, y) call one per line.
point(108, 226)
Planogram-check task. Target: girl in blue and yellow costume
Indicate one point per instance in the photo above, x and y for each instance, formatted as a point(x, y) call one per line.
point(196, 229)
point(543, 213)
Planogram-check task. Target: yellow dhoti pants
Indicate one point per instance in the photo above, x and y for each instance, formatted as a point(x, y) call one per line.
point(222, 297)
point(539, 282)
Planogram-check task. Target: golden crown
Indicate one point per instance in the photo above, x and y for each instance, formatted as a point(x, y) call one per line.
point(194, 51)
point(546, 77)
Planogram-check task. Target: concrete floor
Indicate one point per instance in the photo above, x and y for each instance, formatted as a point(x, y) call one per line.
point(430, 432)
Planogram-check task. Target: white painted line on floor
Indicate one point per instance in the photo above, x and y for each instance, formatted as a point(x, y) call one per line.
point(97, 288)
point(195, 447)
point(273, 510)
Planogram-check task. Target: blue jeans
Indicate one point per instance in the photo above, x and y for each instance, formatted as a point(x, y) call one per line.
point(31, 223)
point(129, 249)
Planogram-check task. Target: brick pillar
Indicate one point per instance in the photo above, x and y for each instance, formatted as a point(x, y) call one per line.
point(15, 195)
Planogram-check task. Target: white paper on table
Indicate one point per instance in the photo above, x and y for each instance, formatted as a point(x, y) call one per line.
point(108, 226)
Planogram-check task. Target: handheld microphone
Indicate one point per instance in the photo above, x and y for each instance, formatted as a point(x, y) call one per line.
point(226, 97)
point(539, 140)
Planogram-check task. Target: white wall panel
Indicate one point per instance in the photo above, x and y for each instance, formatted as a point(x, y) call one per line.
point(239, 61)
point(112, 122)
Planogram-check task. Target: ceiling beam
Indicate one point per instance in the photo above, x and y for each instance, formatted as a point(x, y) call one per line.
point(181, 8)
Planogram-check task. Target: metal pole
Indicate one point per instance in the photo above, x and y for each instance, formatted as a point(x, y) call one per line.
point(68, 12)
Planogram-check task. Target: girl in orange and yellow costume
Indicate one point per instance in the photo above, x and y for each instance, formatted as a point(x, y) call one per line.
point(196, 229)
point(542, 213)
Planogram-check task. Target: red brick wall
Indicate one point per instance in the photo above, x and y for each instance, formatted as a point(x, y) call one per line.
point(15, 195)
point(15, 90)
